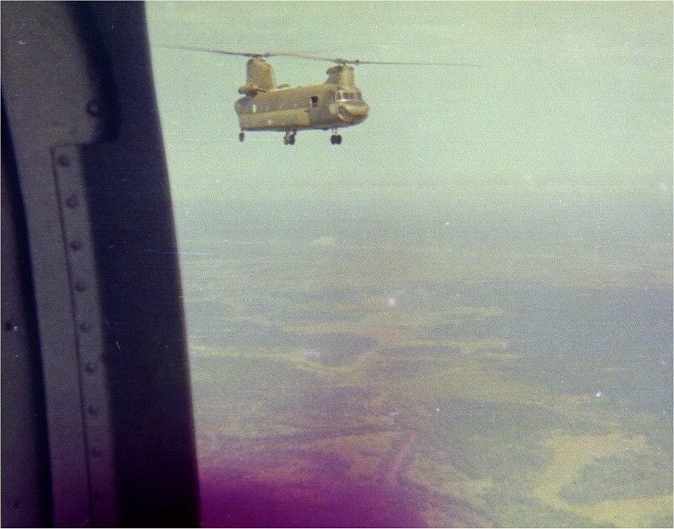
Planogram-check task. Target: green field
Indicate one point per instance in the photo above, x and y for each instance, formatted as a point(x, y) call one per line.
point(354, 383)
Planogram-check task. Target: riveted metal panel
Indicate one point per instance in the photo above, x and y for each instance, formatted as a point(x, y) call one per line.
point(43, 111)
point(78, 101)
point(88, 328)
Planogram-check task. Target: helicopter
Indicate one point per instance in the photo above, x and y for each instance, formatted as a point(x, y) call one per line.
point(336, 103)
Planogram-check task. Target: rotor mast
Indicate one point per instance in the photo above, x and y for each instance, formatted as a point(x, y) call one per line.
point(259, 77)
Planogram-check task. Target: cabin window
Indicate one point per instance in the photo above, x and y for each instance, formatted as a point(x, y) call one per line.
point(314, 101)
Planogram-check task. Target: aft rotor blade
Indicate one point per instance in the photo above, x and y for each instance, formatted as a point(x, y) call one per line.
point(259, 55)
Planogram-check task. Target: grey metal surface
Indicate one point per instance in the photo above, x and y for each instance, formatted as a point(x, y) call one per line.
point(26, 501)
point(44, 111)
point(78, 103)
point(88, 326)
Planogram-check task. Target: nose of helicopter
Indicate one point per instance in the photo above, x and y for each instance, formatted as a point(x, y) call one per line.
point(354, 111)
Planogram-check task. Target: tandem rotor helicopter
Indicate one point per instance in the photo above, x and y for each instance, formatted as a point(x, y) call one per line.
point(331, 105)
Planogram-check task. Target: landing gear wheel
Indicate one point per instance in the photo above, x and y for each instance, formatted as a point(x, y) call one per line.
point(335, 139)
point(289, 138)
point(241, 136)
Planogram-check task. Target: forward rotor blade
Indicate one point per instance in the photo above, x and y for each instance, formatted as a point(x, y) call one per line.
point(412, 63)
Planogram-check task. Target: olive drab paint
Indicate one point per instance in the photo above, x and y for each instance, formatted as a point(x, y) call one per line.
point(333, 104)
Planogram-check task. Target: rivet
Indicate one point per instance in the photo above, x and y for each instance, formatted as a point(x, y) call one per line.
point(93, 410)
point(9, 326)
point(76, 244)
point(84, 326)
point(96, 451)
point(93, 108)
point(80, 286)
point(63, 160)
point(89, 367)
point(72, 201)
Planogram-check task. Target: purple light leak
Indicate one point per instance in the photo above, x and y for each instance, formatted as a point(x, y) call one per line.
point(234, 501)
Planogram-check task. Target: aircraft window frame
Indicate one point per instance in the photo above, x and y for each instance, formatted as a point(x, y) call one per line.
point(343, 95)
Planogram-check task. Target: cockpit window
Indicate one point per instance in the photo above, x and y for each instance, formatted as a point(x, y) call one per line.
point(342, 95)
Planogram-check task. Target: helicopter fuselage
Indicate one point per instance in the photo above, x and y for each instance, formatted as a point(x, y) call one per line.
point(287, 109)
point(331, 105)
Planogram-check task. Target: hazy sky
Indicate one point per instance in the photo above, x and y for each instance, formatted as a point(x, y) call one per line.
point(567, 93)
